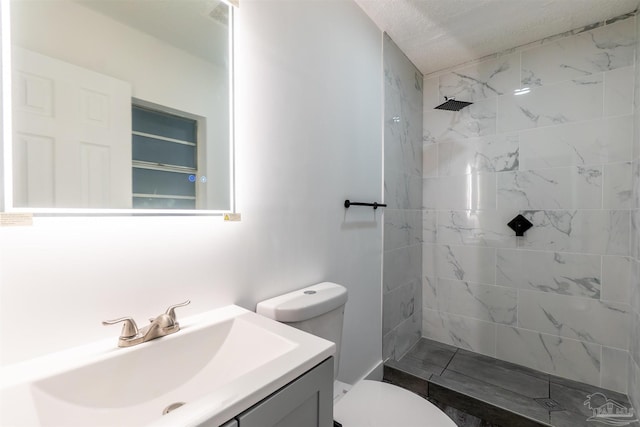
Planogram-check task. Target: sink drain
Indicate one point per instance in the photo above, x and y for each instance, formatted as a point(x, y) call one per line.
point(172, 407)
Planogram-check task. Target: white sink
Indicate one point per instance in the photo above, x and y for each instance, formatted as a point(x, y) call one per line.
point(219, 364)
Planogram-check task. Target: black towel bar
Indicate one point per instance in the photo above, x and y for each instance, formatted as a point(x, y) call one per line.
point(375, 205)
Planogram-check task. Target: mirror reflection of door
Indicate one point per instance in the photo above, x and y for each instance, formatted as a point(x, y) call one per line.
point(72, 135)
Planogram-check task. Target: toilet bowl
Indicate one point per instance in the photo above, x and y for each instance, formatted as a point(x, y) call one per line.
point(378, 404)
point(319, 310)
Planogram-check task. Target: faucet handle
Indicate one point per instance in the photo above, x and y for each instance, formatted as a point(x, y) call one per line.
point(129, 328)
point(171, 310)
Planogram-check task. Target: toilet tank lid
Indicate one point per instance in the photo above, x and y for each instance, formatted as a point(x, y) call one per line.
point(304, 304)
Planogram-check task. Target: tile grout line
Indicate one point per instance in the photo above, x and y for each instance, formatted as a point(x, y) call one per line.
point(600, 367)
point(450, 360)
point(549, 393)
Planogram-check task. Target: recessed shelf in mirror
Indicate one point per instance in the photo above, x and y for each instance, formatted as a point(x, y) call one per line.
point(118, 106)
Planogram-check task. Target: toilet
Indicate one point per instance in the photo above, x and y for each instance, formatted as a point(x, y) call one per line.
point(319, 310)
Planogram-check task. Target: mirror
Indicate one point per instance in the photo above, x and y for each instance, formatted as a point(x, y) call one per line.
point(122, 105)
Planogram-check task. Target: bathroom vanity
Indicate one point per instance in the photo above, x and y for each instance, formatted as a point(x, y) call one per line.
point(224, 364)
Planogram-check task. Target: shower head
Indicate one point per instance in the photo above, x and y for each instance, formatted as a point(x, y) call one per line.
point(451, 104)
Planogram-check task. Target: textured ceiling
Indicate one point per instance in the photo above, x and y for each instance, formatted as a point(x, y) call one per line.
point(437, 34)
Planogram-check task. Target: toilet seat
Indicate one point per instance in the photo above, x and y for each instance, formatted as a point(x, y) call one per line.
point(378, 404)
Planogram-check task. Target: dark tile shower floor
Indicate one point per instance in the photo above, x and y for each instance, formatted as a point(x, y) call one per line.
point(480, 391)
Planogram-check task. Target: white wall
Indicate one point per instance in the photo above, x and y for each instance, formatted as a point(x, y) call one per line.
point(308, 136)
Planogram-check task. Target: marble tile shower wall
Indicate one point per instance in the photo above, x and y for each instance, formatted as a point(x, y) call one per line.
point(549, 136)
point(402, 264)
point(633, 376)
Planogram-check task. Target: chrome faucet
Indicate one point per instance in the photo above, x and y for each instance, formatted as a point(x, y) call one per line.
point(164, 324)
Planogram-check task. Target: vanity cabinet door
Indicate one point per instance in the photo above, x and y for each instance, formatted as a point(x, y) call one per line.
point(305, 402)
point(232, 423)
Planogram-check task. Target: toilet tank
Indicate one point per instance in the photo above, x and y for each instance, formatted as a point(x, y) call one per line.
point(318, 309)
